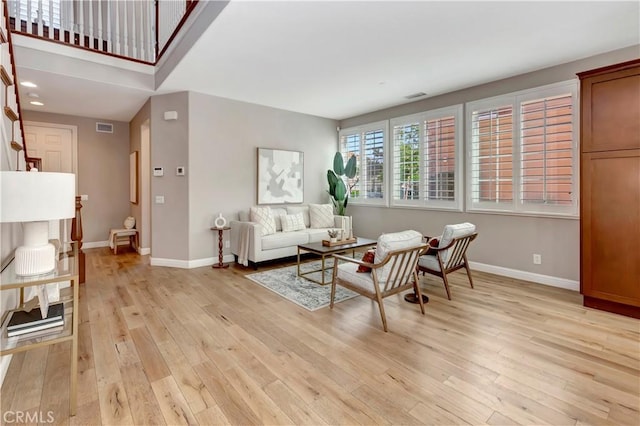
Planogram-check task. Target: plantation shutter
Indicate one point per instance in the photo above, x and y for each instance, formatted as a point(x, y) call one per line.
point(546, 151)
point(440, 158)
point(406, 161)
point(492, 156)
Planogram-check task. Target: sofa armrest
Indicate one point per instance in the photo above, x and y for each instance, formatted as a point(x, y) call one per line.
point(254, 232)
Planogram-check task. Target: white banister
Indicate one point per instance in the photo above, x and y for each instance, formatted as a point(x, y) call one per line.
point(122, 27)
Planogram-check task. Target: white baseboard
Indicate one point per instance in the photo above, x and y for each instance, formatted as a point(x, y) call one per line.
point(526, 276)
point(95, 244)
point(143, 251)
point(189, 264)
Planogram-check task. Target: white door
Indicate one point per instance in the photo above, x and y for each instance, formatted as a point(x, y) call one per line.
point(54, 144)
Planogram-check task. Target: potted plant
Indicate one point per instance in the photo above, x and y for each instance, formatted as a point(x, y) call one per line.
point(337, 187)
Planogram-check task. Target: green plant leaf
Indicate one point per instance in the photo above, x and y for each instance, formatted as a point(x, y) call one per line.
point(350, 170)
point(340, 191)
point(333, 180)
point(338, 164)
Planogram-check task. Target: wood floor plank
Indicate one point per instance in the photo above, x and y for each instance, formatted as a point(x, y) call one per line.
point(165, 345)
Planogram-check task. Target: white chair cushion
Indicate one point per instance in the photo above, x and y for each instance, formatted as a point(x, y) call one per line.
point(321, 215)
point(264, 217)
point(454, 231)
point(430, 262)
point(394, 241)
point(292, 222)
point(363, 280)
point(300, 209)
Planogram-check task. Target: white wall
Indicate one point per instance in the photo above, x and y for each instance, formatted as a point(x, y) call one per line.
point(223, 139)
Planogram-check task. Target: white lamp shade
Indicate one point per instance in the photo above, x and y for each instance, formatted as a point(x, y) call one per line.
point(36, 196)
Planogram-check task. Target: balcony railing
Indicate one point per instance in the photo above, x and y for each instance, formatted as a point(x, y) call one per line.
point(133, 29)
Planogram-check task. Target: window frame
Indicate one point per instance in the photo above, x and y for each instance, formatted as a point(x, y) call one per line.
point(362, 130)
point(421, 118)
point(515, 100)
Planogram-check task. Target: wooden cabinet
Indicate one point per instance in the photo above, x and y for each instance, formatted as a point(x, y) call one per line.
point(610, 188)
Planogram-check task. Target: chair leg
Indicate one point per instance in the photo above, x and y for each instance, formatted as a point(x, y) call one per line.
point(466, 265)
point(384, 317)
point(333, 293)
point(416, 288)
point(446, 285)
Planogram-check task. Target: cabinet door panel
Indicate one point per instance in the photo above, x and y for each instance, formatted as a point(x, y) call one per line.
point(610, 215)
point(611, 111)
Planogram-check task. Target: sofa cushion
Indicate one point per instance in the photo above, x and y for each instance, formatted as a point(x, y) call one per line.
point(300, 209)
point(321, 215)
point(317, 235)
point(284, 239)
point(264, 217)
point(394, 241)
point(277, 217)
point(292, 222)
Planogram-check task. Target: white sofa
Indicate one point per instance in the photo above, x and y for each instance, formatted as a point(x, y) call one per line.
point(259, 248)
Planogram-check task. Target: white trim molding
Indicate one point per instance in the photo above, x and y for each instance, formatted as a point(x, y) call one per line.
point(189, 264)
point(95, 244)
point(526, 276)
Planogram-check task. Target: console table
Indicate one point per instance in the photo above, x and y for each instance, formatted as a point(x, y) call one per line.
point(66, 270)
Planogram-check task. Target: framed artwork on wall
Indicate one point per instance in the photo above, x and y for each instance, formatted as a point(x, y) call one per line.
point(280, 176)
point(133, 177)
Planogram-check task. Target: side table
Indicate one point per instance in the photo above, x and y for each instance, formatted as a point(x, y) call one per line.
point(220, 247)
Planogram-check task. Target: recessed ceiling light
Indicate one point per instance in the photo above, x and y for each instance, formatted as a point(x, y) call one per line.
point(38, 103)
point(415, 95)
point(33, 95)
point(28, 84)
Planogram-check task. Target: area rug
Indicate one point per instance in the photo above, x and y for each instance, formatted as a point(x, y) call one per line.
point(312, 296)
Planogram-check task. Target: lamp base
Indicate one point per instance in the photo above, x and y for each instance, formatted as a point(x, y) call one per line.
point(37, 260)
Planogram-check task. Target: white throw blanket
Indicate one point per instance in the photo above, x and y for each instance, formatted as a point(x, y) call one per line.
point(243, 250)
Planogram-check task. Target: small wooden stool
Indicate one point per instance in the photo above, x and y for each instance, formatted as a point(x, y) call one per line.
point(118, 235)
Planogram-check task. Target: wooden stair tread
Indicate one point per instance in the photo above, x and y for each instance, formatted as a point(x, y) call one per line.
point(13, 116)
point(3, 35)
point(16, 146)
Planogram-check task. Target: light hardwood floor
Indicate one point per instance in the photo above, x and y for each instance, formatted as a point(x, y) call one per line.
point(172, 346)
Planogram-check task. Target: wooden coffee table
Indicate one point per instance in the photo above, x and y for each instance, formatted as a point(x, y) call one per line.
point(324, 251)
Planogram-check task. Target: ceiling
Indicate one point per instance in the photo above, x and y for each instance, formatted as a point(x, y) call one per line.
point(339, 59)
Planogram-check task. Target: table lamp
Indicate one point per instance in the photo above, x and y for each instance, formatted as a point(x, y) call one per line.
point(34, 198)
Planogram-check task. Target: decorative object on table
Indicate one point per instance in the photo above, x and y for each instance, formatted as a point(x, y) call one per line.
point(129, 222)
point(35, 198)
point(220, 263)
point(23, 323)
point(220, 222)
point(305, 293)
point(280, 176)
point(333, 235)
point(337, 187)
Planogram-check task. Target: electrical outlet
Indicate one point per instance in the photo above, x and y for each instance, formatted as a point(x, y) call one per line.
point(227, 244)
point(537, 259)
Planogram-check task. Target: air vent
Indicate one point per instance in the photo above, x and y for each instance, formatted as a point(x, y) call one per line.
point(104, 127)
point(416, 95)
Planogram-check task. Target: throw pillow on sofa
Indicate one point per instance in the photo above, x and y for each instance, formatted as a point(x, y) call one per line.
point(321, 215)
point(292, 222)
point(264, 217)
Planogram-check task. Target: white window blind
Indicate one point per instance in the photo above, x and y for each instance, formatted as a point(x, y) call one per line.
point(426, 171)
point(546, 145)
point(523, 152)
point(367, 143)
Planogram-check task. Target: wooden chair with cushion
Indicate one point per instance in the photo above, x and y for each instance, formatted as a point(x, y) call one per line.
point(392, 271)
point(450, 254)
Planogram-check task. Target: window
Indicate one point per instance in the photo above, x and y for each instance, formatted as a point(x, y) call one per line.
point(523, 152)
point(367, 143)
point(427, 165)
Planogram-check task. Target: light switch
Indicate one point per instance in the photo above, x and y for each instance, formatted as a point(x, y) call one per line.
point(159, 199)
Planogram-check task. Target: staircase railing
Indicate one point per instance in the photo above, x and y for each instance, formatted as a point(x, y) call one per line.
point(132, 29)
